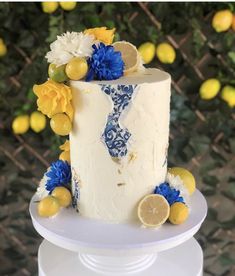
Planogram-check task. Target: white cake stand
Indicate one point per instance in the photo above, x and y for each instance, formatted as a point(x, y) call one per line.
point(75, 245)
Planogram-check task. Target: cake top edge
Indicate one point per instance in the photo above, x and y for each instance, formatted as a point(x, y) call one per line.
point(147, 75)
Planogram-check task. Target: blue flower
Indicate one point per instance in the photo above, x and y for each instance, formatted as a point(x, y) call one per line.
point(105, 63)
point(171, 195)
point(59, 174)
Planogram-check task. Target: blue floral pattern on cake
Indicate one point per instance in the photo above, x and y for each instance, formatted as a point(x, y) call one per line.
point(76, 189)
point(114, 136)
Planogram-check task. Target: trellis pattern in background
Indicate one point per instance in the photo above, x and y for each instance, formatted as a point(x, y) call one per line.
point(202, 133)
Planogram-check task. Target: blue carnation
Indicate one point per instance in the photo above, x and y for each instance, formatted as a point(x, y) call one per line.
point(105, 63)
point(59, 174)
point(171, 195)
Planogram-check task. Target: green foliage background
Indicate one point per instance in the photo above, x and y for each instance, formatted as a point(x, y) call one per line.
point(202, 132)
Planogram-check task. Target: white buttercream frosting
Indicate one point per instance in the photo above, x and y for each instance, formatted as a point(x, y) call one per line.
point(111, 189)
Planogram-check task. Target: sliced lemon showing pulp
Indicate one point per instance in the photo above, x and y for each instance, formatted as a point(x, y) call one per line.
point(153, 210)
point(130, 55)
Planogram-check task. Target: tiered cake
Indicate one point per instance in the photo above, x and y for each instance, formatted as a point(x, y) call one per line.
point(116, 113)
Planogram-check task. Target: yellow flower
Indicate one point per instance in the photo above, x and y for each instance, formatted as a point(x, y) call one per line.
point(65, 155)
point(102, 34)
point(54, 98)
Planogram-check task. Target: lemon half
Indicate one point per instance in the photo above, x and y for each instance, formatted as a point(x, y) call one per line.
point(153, 210)
point(130, 56)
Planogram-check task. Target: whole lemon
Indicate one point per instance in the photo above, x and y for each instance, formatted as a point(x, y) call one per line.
point(37, 121)
point(68, 6)
point(3, 48)
point(48, 206)
point(57, 73)
point(63, 195)
point(147, 52)
point(20, 124)
point(209, 89)
point(186, 177)
point(61, 124)
point(165, 53)
point(65, 156)
point(233, 22)
point(228, 95)
point(77, 68)
point(178, 213)
point(49, 7)
point(222, 20)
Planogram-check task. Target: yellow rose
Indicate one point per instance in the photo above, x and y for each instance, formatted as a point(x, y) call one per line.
point(65, 155)
point(102, 34)
point(54, 98)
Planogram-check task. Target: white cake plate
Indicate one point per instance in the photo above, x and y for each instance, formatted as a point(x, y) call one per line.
point(119, 249)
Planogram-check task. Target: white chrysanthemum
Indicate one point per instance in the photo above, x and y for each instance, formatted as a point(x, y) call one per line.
point(69, 45)
point(41, 190)
point(176, 182)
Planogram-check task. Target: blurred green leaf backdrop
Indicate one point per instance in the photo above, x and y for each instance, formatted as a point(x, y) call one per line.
point(202, 132)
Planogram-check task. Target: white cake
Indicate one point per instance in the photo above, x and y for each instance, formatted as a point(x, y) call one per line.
point(108, 183)
point(116, 113)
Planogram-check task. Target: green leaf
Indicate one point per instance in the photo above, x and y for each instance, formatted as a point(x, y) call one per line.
point(226, 260)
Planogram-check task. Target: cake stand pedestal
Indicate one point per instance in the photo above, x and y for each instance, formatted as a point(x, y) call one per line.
point(75, 245)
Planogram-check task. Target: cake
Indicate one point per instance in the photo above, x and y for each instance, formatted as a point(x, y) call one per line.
point(116, 113)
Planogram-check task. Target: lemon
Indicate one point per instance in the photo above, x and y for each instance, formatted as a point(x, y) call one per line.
point(178, 213)
point(233, 22)
point(61, 124)
point(228, 95)
point(3, 48)
point(186, 177)
point(222, 20)
point(48, 206)
point(57, 73)
point(37, 121)
point(49, 7)
point(147, 52)
point(209, 89)
point(63, 195)
point(165, 53)
point(130, 55)
point(153, 210)
point(68, 6)
point(20, 124)
point(77, 68)
point(65, 156)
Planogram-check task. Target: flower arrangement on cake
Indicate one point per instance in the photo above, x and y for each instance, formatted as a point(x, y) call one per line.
point(87, 56)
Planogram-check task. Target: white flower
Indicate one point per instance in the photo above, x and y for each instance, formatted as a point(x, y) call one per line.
point(176, 183)
point(69, 45)
point(41, 190)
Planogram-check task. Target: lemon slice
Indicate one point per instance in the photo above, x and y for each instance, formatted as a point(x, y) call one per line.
point(153, 210)
point(130, 56)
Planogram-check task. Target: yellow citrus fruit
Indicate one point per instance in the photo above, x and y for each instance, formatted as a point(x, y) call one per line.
point(77, 68)
point(37, 121)
point(49, 7)
point(130, 55)
point(48, 206)
point(153, 210)
point(61, 124)
point(165, 53)
point(233, 22)
point(186, 177)
point(178, 213)
point(20, 124)
point(147, 52)
point(209, 89)
point(63, 195)
point(68, 6)
point(222, 20)
point(65, 156)
point(3, 48)
point(57, 73)
point(228, 95)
